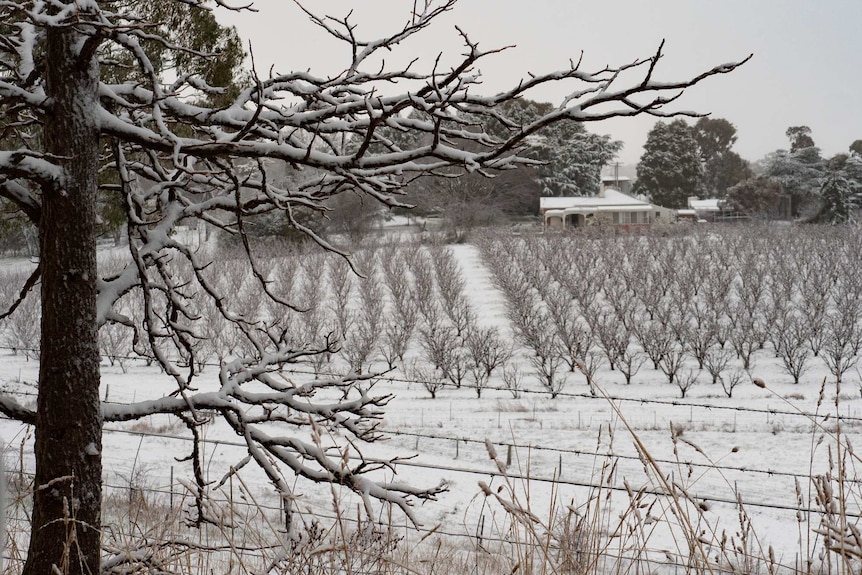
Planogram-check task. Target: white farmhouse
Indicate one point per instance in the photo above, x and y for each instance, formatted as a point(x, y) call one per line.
point(610, 206)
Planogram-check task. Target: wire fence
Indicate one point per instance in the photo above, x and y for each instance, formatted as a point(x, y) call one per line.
point(788, 410)
point(457, 441)
point(555, 479)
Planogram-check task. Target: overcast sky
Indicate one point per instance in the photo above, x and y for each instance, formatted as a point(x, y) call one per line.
point(805, 70)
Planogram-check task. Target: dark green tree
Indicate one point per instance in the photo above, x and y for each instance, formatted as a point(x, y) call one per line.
point(800, 138)
point(715, 136)
point(856, 147)
point(759, 198)
point(670, 169)
point(722, 167)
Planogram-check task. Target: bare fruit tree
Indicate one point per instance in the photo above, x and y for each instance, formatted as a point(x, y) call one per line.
point(86, 79)
point(792, 345)
point(716, 360)
point(486, 351)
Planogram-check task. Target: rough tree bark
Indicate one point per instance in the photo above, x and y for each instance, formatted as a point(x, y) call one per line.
point(67, 500)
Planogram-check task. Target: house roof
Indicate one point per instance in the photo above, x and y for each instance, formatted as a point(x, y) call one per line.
point(708, 205)
point(608, 200)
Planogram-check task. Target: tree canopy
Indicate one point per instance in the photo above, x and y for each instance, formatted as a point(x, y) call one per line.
point(572, 157)
point(800, 138)
point(800, 174)
point(670, 169)
point(722, 167)
point(810, 187)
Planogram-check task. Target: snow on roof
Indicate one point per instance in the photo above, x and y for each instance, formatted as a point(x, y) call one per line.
point(708, 205)
point(607, 199)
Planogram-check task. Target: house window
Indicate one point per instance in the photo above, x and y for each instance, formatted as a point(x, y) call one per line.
point(615, 217)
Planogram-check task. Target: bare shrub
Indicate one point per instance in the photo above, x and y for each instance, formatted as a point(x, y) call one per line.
point(546, 362)
point(395, 341)
point(486, 351)
point(513, 379)
point(686, 380)
point(656, 340)
point(423, 285)
point(22, 327)
point(589, 365)
point(730, 380)
point(698, 340)
point(791, 335)
point(341, 286)
point(613, 338)
point(451, 285)
point(443, 351)
point(115, 341)
point(431, 379)
point(746, 337)
point(630, 363)
point(671, 362)
point(840, 335)
point(716, 360)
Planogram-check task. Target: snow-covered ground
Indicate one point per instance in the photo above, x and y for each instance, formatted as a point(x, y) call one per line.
point(761, 446)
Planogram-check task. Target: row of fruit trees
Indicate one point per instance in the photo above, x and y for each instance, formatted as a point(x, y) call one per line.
point(697, 307)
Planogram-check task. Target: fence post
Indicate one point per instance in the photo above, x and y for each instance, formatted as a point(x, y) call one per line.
point(286, 507)
point(509, 456)
point(457, 448)
point(172, 488)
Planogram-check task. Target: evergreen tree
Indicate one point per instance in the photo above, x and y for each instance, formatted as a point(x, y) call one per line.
point(800, 138)
point(852, 172)
point(758, 197)
point(722, 167)
point(800, 175)
point(572, 157)
point(670, 169)
point(575, 158)
point(715, 136)
point(836, 200)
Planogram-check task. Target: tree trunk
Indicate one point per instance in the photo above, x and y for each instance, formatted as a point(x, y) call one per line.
point(68, 489)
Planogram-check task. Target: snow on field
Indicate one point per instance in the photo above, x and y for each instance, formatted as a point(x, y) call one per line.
point(755, 447)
